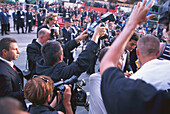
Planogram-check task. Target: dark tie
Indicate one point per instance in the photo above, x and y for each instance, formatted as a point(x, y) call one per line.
point(14, 67)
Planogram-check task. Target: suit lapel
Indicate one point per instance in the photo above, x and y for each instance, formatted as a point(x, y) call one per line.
point(12, 73)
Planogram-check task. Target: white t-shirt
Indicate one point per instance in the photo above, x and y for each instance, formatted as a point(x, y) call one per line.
point(155, 72)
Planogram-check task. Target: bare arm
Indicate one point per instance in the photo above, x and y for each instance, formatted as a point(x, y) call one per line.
point(66, 99)
point(138, 16)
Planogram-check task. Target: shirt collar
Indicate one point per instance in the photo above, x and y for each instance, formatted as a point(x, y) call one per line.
point(39, 42)
point(67, 29)
point(10, 63)
point(48, 26)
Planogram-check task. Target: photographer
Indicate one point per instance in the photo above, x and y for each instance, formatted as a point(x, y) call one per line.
point(39, 91)
point(50, 22)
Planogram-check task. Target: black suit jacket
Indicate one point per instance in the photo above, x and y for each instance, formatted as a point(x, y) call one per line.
point(127, 64)
point(40, 19)
point(66, 35)
point(11, 82)
point(33, 55)
point(29, 17)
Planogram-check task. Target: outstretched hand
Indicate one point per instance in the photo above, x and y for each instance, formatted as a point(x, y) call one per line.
point(83, 35)
point(100, 31)
point(138, 15)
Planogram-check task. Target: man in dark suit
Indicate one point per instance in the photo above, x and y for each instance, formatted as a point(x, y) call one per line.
point(4, 22)
point(64, 12)
point(40, 18)
point(67, 30)
point(14, 15)
point(29, 19)
point(76, 12)
point(126, 67)
point(11, 78)
point(20, 20)
point(68, 34)
point(7, 13)
point(34, 49)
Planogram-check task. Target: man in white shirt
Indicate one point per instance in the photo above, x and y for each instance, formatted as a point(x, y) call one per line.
point(153, 71)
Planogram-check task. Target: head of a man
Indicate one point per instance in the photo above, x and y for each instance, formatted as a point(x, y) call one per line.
point(39, 90)
point(3, 10)
point(110, 25)
point(11, 106)
point(44, 35)
point(132, 42)
point(9, 49)
point(102, 53)
point(52, 53)
point(117, 33)
point(68, 22)
point(51, 18)
point(147, 48)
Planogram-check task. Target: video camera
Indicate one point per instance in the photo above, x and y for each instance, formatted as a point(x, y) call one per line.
point(107, 16)
point(78, 95)
point(164, 12)
point(59, 86)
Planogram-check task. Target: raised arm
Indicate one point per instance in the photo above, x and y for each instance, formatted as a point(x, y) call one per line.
point(138, 16)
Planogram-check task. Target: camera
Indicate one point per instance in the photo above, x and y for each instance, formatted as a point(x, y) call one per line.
point(107, 16)
point(78, 95)
point(164, 12)
point(154, 9)
point(54, 31)
point(59, 86)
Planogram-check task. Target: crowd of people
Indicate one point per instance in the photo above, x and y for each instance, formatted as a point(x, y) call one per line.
point(133, 76)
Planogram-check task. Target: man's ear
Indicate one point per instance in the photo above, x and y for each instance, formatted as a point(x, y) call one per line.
point(49, 98)
point(157, 55)
point(61, 57)
point(137, 52)
point(4, 52)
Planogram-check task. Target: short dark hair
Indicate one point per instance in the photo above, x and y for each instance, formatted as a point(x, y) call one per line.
point(5, 44)
point(148, 46)
point(135, 37)
point(102, 53)
point(51, 52)
point(118, 27)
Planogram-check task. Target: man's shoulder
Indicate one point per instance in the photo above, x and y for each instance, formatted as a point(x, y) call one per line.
point(63, 29)
point(42, 26)
point(34, 44)
point(113, 72)
point(4, 68)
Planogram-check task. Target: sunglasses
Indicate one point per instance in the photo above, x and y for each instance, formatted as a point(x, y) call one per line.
point(44, 79)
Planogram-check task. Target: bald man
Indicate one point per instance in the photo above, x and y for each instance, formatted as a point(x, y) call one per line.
point(34, 49)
